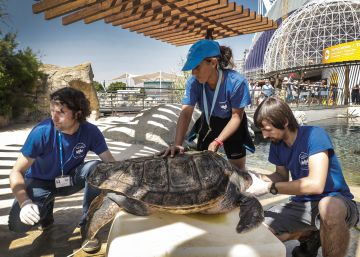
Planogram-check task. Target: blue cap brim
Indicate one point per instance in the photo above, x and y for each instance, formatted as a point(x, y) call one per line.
point(191, 64)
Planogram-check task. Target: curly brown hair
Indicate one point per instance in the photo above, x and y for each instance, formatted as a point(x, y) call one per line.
point(75, 100)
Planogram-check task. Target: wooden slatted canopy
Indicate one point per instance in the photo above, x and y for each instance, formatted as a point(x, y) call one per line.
point(172, 21)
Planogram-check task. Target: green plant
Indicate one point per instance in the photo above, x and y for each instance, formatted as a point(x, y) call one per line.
point(114, 86)
point(98, 86)
point(19, 70)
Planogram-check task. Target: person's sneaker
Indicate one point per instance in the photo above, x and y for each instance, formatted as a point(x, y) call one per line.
point(91, 245)
point(308, 247)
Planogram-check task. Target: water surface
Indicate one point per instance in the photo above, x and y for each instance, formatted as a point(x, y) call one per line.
point(345, 135)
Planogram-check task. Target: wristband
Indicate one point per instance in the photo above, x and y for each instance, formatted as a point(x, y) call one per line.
point(219, 142)
point(27, 201)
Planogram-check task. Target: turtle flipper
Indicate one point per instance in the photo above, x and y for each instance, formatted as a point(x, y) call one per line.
point(130, 205)
point(102, 210)
point(251, 214)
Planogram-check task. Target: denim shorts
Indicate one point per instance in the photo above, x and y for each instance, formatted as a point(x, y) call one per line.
point(293, 217)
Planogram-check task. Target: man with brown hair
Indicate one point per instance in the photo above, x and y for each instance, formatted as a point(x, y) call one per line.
point(51, 163)
point(321, 198)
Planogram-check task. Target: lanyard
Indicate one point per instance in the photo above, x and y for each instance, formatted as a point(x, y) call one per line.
point(62, 164)
point(207, 114)
point(61, 153)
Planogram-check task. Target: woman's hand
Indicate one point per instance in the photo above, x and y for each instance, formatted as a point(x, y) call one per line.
point(172, 150)
point(214, 146)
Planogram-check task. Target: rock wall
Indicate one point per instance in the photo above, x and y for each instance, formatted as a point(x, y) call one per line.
point(79, 77)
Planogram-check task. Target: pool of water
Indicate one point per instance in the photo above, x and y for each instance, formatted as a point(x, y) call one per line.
point(345, 134)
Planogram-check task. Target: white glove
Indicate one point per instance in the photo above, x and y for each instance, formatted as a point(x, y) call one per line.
point(29, 213)
point(258, 187)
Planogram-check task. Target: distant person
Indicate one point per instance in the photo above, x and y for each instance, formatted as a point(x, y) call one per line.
point(355, 95)
point(322, 200)
point(51, 163)
point(257, 92)
point(267, 89)
point(222, 95)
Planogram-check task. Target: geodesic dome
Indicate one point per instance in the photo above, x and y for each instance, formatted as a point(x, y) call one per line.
point(302, 37)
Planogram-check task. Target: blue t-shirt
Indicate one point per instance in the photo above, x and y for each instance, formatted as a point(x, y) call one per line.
point(233, 93)
point(42, 144)
point(309, 141)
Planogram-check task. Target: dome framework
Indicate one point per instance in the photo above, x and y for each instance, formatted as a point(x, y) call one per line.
point(301, 39)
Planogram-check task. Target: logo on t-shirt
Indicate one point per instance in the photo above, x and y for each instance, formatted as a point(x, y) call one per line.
point(79, 150)
point(304, 161)
point(223, 105)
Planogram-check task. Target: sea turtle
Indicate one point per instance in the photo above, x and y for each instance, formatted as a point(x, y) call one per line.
point(193, 182)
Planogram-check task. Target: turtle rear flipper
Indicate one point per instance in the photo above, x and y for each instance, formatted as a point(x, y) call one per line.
point(130, 205)
point(251, 214)
point(102, 210)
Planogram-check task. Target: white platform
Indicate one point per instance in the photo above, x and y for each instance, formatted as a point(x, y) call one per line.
point(163, 234)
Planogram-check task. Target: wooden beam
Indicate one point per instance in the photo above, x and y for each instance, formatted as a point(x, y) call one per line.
point(157, 6)
point(118, 8)
point(95, 9)
point(198, 16)
point(165, 27)
point(47, 5)
point(171, 9)
point(177, 20)
point(138, 16)
point(68, 8)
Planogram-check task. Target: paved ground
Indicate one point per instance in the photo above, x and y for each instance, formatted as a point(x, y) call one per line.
point(63, 238)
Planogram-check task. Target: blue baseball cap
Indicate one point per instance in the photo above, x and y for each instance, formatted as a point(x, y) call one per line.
point(202, 49)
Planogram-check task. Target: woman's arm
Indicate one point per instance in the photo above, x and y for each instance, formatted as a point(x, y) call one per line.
point(181, 129)
point(229, 129)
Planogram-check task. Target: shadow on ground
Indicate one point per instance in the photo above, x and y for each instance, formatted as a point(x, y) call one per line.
point(62, 239)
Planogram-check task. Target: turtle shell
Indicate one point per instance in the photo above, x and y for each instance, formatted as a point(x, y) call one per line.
point(190, 179)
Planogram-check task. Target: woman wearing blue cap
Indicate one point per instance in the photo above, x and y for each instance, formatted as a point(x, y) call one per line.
point(221, 94)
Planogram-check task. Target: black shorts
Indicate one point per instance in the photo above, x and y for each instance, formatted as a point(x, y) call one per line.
point(235, 146)
point(293, 217)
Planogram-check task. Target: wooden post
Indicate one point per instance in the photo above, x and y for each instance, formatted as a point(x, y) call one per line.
point(346, 86)
point(209, 33)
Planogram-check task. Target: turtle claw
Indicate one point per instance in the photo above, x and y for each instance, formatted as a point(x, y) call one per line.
point(251, 214)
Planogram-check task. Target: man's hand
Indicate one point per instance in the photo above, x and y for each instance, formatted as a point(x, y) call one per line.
point(29, 213)
point(258, 187)
point(172, 150)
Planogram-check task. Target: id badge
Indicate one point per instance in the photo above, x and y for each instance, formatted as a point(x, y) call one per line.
point(63, 181)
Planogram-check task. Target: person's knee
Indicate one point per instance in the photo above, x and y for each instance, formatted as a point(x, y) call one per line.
point(332, 211)
point(89, 167)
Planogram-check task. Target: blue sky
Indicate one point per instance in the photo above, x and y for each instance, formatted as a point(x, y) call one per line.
point(111, 50)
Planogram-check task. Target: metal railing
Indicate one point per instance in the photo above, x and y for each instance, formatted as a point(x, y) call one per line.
point(112, 103)
point(129, 101)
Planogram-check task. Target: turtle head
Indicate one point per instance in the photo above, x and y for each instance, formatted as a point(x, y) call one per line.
point(241, 179)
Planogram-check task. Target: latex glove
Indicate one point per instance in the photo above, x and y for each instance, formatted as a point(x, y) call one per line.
point(258, 187)
point(29, 213)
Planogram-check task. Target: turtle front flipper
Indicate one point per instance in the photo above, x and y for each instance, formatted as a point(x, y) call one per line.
point(251, 214)
point(102, 210)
